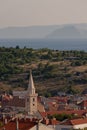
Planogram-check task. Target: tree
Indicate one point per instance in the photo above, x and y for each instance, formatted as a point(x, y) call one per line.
point(17, 47)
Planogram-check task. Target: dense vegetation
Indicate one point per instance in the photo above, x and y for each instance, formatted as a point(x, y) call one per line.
point(62, 117)
point(53, 70)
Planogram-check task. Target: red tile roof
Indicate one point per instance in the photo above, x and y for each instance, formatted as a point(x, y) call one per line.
point(16, 102)
point(23, 125)
point(50, 121)
point(54, 122)
point(53, 106)
point(78, 112)
point(83, 103)
point(75, 121)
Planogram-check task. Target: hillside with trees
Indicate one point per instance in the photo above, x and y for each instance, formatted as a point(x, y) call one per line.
point(53, 70)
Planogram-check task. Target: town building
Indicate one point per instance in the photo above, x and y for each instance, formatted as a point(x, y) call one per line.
point(74, 124)
point(25, 101)
point(24, 124)
point(31, 97)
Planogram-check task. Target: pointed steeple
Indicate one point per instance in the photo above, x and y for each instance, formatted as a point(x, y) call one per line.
point(31, 88)
point(31, 97)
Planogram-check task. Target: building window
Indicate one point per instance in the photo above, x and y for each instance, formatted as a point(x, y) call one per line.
point(33, 104)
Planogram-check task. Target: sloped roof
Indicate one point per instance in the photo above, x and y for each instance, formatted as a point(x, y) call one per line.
point(16, 102)
point(83, 103)
point(78, 112)
point(75, 121)
point(23, 125)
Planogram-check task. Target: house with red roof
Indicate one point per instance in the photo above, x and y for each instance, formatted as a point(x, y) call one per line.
point(79, 113)
point(25, 124)
point(25, 101)
point(83, 105)
point(80, 123)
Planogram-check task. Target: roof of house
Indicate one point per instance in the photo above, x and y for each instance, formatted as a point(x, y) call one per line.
point(54, 122)
point(75, 121)
point(52, 106)
point(78, 112)
point(59, 99)
point(83, 103)
point(22, 124)
point(50, 121)
point(16, 102)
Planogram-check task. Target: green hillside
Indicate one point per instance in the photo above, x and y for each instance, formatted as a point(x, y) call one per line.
point(53, 70)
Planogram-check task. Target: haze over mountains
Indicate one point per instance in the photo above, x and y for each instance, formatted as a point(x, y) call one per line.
point(75, 31)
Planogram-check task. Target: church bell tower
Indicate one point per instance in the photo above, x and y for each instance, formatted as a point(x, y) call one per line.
point(31, 97)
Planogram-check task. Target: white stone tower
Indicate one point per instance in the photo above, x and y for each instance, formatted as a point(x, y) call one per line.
point(31, 97)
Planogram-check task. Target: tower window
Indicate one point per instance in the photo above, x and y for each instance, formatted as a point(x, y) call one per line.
point(33, 99)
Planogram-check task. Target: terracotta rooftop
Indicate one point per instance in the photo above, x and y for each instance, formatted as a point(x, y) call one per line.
point(75, 121)
point(16, 101)
point(23, 124)
point(50, 121)
point(78, 112)
point(83, 103)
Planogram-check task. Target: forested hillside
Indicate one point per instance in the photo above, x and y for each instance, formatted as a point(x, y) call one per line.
point(53, 70)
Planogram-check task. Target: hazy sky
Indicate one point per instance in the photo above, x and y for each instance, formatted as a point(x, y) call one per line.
point(42, 12)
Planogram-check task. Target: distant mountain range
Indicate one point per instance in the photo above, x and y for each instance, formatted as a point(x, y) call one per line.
point(73, 31)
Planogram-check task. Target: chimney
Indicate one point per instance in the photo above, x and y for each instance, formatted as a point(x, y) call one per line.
point(3, 116)
point(24, 118)
point(37, 127)
point(31, 119)
point(52, 121)
point(46, 121)
point(5, 120)
point(17, 124)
